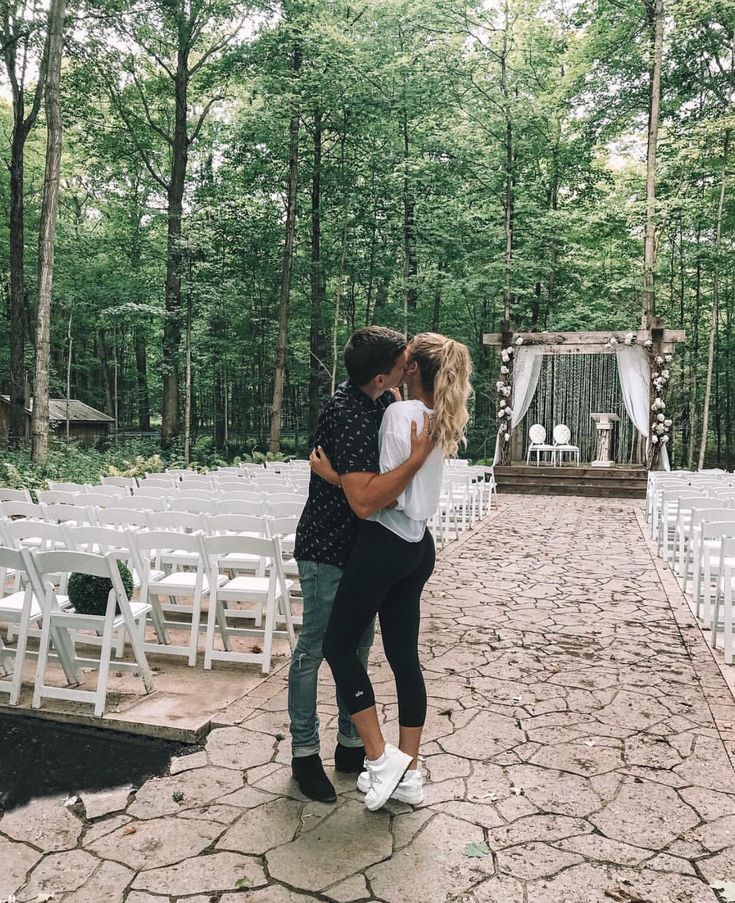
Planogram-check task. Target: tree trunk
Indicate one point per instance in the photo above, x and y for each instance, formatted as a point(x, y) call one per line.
point(141, 369)
point(715, 298)
point(47, 233)
point(279, 366)
point(172, 322)
point(316, 279)
point(655, 10)
point(187, 377)
point(17, 427)
point(337, 304)
point(508, 201)
point(70, 345)
point(410, 263)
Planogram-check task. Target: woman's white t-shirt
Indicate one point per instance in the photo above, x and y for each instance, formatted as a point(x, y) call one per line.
point(420, 499)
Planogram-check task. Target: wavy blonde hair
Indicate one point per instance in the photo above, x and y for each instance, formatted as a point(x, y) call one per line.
point(445, 367)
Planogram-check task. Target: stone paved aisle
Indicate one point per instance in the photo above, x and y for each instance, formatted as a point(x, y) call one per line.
point(569, 733)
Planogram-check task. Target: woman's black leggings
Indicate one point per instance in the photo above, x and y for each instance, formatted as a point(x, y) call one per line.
point(385, 576)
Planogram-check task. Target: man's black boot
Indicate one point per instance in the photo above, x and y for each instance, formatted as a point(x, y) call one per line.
point(308, 772)
point(349, 759)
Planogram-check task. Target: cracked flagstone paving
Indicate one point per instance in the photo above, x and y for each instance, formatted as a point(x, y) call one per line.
point(577, 750)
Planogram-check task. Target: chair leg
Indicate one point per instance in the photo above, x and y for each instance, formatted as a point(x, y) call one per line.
point(42, 660)
point(209, 637)
point(270, 618)
point(20, 654)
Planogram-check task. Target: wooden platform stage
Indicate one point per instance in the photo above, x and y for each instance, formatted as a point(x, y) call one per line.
point(620, 481)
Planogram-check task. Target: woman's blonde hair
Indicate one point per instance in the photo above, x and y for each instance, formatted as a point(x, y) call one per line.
point(445, 367)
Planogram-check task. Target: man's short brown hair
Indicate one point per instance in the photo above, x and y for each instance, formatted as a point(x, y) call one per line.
point(372, 351)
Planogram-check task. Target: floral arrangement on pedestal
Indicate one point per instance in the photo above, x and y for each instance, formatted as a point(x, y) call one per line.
point(504, 390)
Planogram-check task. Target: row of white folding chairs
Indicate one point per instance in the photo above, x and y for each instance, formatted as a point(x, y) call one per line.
point(217, 559)
point(35, 606)
point(464, 499)
point(704, 482)
point(696, 536)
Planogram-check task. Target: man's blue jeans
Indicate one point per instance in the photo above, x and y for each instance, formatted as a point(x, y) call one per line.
point(319, 584)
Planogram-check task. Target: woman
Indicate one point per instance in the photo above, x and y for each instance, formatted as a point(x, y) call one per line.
point(390, 563)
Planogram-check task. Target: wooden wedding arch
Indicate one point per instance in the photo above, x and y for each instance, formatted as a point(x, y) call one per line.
point(658, 342)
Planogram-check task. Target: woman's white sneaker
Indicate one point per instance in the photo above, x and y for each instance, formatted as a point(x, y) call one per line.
point(384, 775)
point(409, 790)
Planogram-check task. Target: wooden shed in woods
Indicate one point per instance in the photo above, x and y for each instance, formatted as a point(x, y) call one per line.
point(86, 423)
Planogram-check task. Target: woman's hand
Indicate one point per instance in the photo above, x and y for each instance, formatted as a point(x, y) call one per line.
point(322, 466)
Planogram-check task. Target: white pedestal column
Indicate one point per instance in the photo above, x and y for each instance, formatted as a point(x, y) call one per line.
point(605, 423)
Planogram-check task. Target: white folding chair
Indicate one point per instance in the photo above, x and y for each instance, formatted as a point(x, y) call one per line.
point(706, 565)
point(724, 597)
point(692, 512)
point(184, 590)
point(100, 499)
point(271, 592)
point(562, 434)
point(275, 498)
point(537, 443)
point(158, 480)
point(23, 610)
point(181, 522)
point(668, 515)
point(129, 618)
point(140, 503)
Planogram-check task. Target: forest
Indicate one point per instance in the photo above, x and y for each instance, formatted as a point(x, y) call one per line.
point(202, 199)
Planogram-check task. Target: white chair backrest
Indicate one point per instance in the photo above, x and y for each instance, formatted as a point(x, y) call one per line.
point(65, 487)
point(235, 523)
point(274, 498)
point(165, 540)
point(101, 540)
point(672, 497)
point(51, 536)
point(230, 505)
point(158, 479)
point(123, 482)
point(193, 504)
point(60, 513)
point(176, 520)
point(214, 547)
point(56, 497)
point(562, 434)
point(537, 434)
point(195, 479)
point(112, 491)
point(22, 509)
point(141, 503)
point(284, 509)
point(690, 506)
point(99, 500)
point(15, 495)
point(282, 526)
point(122, 517)
point(195, 492)
point(161, 492)
point(716, 528)
point(708, 512)
point(727, 549)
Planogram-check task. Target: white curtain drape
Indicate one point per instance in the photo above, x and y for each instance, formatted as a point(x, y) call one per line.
point(635, 381)
point(526, 372)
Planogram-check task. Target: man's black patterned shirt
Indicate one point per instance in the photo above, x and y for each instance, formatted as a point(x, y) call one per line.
point(348, 432)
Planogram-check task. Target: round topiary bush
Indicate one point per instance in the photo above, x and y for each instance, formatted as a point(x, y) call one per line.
point(88, 594)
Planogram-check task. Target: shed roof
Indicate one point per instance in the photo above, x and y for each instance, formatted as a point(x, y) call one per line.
point(79, 412)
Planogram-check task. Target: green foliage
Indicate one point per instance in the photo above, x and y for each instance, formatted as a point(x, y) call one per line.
point(413, 114)
point(88, 594)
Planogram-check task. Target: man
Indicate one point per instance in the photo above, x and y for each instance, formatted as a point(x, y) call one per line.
point(376, 361)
